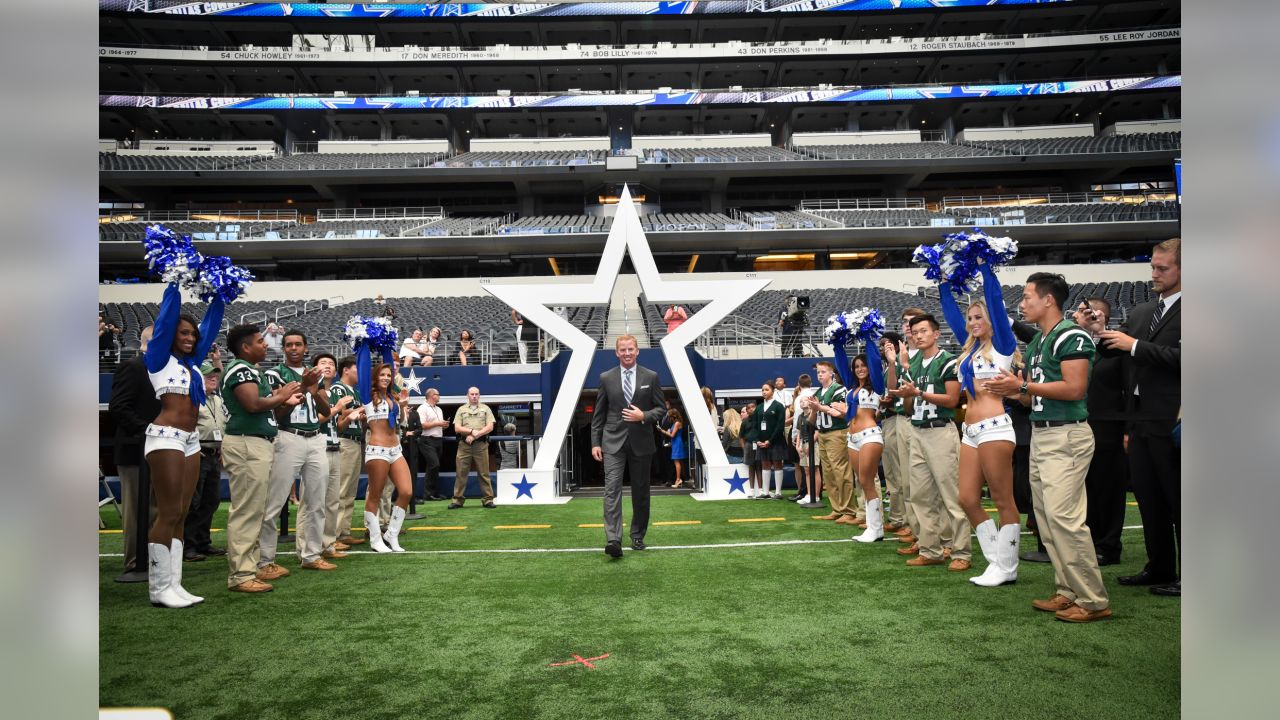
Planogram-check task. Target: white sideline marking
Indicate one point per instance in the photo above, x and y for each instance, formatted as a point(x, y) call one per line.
point(764, 543)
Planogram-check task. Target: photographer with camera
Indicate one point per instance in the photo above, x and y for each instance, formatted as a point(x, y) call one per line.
point(793, 320)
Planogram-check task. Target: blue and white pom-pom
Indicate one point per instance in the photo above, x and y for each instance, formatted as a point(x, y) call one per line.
point(171, 257)
point(374, 332)
point(839, 328)
point(955, 260)
point(219, 278)
point(870, 327)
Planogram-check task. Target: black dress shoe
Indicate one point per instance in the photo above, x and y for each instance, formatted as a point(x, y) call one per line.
point(638, 545)
point(211, 550)
point(192, 557)
point(1144, 578)
point(1173, 589)
point(1034, 556)
point(454, 506)
point(613, 549)
point(490, 504)
point(1104, 560)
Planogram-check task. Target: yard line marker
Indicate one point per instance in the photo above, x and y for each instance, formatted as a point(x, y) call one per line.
point(818, 517)
point(1132, 504)
point(521, 527)
point(594, 525)
point(110, 532)
point(425, 528)
point(773, 519)
point(674, 522)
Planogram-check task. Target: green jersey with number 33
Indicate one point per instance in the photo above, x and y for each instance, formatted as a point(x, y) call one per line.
point(1045, 354)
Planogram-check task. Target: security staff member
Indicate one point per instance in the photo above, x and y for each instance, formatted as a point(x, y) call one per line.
point(473, 423)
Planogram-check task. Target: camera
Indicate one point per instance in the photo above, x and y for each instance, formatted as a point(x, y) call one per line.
point(796, 305)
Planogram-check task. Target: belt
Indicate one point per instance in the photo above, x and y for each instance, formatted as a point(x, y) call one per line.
point(934, 424)
point(302, 433)
point(843, 430)
point(210, 449)
point(268, 438)
point(332, 448)
point(1055, 423)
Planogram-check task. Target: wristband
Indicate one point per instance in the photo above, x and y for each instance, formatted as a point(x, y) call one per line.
point(1023, 390)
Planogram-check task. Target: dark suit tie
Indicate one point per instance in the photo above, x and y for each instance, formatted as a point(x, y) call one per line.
point(1155, 318)
point(627, 386)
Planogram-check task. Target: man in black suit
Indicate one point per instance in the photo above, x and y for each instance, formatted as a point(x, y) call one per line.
point(1150, 344)
point(629, 404)
point(1104, 486)
point(133, 406)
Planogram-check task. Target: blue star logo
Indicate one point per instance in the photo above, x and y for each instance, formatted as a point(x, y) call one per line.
point(524, 487)
point(736, 483)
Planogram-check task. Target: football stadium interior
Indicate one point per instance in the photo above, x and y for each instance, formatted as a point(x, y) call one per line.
point(403, 160)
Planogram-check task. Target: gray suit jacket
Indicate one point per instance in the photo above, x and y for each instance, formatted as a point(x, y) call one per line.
point(613, 434)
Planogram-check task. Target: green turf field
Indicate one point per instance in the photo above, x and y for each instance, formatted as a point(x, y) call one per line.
point(812, 630)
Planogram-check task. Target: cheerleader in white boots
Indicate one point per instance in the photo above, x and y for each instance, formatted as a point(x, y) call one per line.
point(383, 458)
point(866, 440)
point(987, 443)
point(172, 448)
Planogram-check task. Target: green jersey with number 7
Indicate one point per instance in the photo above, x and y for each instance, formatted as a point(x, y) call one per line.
point(1045, 354)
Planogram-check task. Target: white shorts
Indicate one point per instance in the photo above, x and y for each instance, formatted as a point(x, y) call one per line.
point(989, 430)
point(387, 455)
point(163, 437)
point(866, 437)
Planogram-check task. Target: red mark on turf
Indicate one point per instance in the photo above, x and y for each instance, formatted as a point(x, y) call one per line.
point(579, 659)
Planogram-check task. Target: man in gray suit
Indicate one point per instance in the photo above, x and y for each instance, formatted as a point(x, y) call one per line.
point(629, 404)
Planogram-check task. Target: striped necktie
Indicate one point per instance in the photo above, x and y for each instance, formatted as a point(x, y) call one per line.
point(1155, 318)
point(626, 386)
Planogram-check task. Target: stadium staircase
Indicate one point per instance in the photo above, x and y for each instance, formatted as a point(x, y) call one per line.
point(626, 316)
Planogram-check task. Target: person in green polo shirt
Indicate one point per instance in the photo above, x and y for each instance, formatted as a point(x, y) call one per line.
point(247, 451)
point(1059, 363)
point(300, 451)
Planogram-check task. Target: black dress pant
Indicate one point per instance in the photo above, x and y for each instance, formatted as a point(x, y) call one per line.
point(1155, 472)
point(430, 449)
point(1104, 487)
point(204, 503)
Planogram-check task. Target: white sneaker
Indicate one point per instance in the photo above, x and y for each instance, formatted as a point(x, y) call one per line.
point(776, 496)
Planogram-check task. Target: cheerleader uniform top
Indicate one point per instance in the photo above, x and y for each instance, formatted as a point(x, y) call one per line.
point(168, 372)
point(1003, 343)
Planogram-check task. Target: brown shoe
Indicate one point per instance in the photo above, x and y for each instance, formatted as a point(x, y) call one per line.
point(271, 571)
point(340, 546)
point(922, 561)
point(320, 564)
point(846, 520)
point(1075, 614)
point(913, 550)
point(350, 540)
point(903, 531)
point(862, 524)
point(946, 553)
point(892, 528)
point(908, 538)
point(958, 565)
point(832, 516)
point(334, 554)
point(251, 586)
point(1053, 604)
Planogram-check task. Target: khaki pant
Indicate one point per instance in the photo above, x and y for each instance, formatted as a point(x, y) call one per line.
point(248, 463)
point(837, 480)
point(1060, 459)
point(472, 454)
point(935, 490)
point(351, 462)
point(332, 500)
point(296, 456)
point(895, 467)
point(129, 517)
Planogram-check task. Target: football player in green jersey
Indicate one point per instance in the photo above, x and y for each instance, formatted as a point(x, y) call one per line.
point(1059, 360)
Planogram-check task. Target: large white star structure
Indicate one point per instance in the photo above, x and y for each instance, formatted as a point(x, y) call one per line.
point(534, 301)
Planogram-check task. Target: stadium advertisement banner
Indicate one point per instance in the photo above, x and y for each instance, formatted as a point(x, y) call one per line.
point(419, 11)
point(832, 48)
point(690, 97)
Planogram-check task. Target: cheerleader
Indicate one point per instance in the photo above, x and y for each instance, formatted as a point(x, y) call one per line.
point(177, 348)
point(381, 408)
point(866, 440)
point(987, 443)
